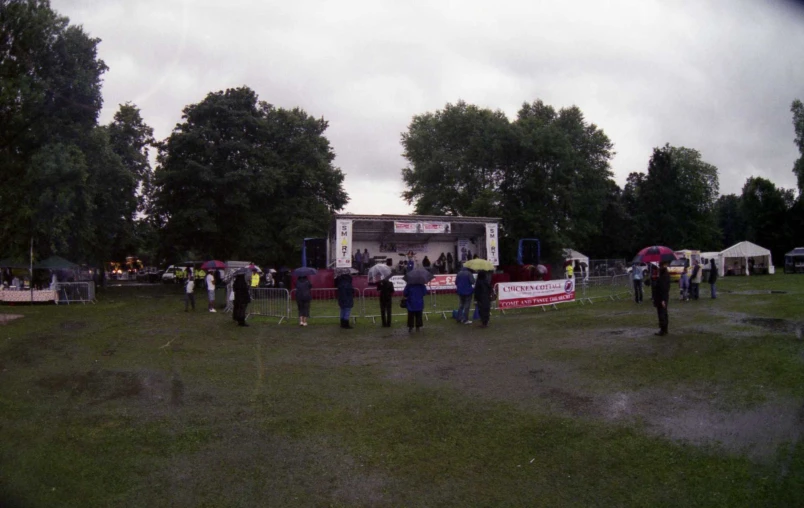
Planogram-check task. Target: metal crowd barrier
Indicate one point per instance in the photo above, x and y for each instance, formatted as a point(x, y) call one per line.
point(324, 304)
point(603, 288)
point(75, 292)
point(270, 302)
point(279, 302)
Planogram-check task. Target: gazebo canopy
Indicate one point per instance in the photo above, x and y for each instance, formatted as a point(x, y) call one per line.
point(56, 263)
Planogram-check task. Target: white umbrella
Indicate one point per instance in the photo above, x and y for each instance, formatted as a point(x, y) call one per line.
point(379, 272)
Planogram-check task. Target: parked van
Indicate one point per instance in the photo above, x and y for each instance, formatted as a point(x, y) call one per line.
point(684, 259)
point(170, 274)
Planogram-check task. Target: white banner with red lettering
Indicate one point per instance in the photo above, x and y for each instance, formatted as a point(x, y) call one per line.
point(512, 295)
point(429, 228)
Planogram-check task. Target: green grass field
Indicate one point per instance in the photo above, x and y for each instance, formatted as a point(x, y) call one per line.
point(133, 402)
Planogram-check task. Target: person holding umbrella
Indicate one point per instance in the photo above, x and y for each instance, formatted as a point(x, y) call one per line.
point(660, 293)
point(241, 298)
point(414, 294)
point(386, 289)
point(346, 301)
point(464, 288)
point(303, 298)
point(483, 298)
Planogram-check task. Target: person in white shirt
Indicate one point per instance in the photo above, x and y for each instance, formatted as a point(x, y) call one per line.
point(211, 291)
point(189, 287)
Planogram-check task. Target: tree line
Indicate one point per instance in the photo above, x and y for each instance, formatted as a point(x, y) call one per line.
point(241, 178)
point(547, 174)
point(237, 178)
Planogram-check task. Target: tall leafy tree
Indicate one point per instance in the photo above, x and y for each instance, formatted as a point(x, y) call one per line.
point(798, 124)
point(239, 178)
point(50, 82)
point(557, 185)
point(765, 209)
point(678, 198)
point(546, 174)
point(730, 220)
point(455, 160)
point(131, 139)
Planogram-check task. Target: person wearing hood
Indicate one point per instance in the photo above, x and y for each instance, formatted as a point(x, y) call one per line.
point(483, 298)
point(242, 297)
point(346, 299)
point(303, 298)
point(464, 288)
point(414, 294)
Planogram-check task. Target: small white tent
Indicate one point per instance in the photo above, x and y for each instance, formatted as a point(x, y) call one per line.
point(736, 258)
point(574, 255)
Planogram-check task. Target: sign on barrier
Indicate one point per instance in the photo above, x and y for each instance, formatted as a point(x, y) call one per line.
point(511, 295)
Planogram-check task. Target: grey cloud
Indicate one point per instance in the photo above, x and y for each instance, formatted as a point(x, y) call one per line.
point(715, 76)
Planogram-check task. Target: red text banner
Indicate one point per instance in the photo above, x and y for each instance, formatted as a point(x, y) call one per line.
point(512, 295)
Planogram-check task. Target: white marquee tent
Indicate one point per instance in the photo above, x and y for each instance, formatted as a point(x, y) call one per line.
point(574, 255)
point(736, 258)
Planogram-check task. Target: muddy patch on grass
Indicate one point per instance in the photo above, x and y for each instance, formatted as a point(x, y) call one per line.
point(73, 325)
point(7, 318)
point(271, 471)
point(97, 387)
point(693, 417)
point(775, 325)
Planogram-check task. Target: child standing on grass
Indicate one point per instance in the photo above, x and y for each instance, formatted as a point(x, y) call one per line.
point(189, 287)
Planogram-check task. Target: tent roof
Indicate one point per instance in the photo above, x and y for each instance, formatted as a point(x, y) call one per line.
point(56, 263)
point(574, 254)
point(798, 251)
point(744, 250)
point(710, 255)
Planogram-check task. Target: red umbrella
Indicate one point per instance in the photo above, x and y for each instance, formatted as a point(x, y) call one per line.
point(213, 265)
point(655, 254)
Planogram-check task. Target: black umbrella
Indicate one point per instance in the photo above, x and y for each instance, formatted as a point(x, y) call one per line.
point(418, 276)
point(304, 271)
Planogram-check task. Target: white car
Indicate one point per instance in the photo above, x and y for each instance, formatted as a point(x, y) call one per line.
point(170, 274)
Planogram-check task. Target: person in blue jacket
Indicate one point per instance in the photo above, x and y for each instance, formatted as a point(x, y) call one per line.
point(463, 283)
point(415, 297)
point(346, 298)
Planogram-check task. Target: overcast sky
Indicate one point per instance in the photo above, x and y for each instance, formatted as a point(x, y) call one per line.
point(717, 76)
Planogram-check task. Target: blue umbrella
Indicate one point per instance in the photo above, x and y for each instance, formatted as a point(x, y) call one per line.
point(304, 271)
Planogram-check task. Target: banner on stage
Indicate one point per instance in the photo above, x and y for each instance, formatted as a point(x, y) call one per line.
point(432, 228)
point(408, 227)
point(428, 228)
point(512, 295)
point(343, 252)
point(492, 244)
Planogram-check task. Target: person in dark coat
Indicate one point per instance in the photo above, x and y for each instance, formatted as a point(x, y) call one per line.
point(464, 287)
point(242, 297)
point(712, 278)
point(483, 298)
point(415, 295)
point(303, 298)
point(346, 298)
point(661, 297)
point(386, 289)
point(450, 263)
